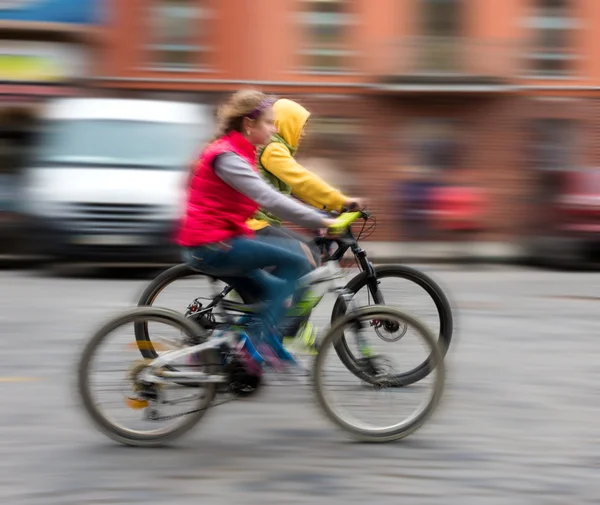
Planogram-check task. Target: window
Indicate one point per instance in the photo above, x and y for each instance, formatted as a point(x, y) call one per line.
point(123, 143)
point(333, 133)
point(435, 144)
point(552, 154)
point(442, 18)
point(325, 25)
point(330, 151)
point(553, 144)
point(335, 126)
point(179, 34)
point(439, 51)
point(551, 53)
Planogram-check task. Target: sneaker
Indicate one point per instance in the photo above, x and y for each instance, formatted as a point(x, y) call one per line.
point(271, 358)
point(305, 340)
point(252, 357)
point(248, 362)
point(233, 296)
point(244, 351)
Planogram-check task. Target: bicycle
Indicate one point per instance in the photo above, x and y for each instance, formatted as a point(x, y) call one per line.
point(227, 372)
point(369, 275)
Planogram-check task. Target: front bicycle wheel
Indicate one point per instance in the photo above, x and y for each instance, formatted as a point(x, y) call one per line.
point(361, 423)
point(437, 312)
point(139, 396)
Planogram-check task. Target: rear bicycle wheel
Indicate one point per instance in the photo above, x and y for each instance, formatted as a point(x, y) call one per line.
point(365, 429)
point(150, 349)
point(141, 436)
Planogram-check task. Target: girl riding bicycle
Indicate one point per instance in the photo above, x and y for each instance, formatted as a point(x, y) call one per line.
point(225, 191)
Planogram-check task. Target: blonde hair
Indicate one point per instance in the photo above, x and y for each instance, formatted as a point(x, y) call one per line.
point(242, 104)
point(230, 116)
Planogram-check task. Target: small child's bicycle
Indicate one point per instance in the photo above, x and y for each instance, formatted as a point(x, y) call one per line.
point(229, 363)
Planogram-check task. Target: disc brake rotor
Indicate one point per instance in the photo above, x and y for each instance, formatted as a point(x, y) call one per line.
point(386, 329)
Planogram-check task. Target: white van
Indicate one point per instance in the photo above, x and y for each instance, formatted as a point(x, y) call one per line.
point(106, 179)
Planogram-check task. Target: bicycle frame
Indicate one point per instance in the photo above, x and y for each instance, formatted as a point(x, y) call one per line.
point(350, 242)
point(329, 277)
point(344, 243)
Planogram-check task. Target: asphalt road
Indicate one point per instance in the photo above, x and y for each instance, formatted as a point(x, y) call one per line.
point(519, 423)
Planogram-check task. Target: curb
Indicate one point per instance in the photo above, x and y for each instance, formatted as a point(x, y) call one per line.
point(382, 252)
point(444, 252)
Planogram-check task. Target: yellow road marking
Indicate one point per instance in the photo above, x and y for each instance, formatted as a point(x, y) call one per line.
point(19, 379)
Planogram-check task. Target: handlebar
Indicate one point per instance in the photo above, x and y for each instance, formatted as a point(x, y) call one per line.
point(344, 220)
point(341, 234)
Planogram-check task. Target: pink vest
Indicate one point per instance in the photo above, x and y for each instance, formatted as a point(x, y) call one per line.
point(215, 211)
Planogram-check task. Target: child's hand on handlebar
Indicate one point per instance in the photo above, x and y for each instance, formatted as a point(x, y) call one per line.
point(327, 223)
point(339, 226)
point(353, 204)
point(326, 230)
point(333, 228)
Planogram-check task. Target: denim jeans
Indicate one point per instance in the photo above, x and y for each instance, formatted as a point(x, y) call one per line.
point(291, 240)
point(243, 259)
point(294, 239)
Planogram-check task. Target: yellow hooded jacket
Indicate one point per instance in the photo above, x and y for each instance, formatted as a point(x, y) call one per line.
point(284, 173)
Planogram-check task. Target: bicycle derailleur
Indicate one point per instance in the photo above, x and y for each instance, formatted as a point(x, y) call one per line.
point(145, 395)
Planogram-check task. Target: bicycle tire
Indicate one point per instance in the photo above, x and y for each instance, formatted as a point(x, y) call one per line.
point(433, 290)
point(148, 296)
point(182, 271)
point(336, 333)
point(124, 436)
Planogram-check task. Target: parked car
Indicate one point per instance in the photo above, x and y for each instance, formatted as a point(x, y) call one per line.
point(574, 235)
point(106, 179)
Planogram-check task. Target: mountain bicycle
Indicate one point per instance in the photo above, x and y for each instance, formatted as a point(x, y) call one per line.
point(332, 249)
point(220, 362)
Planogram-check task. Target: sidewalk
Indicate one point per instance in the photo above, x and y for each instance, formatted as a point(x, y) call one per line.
point(387, 252)
point(436, 252)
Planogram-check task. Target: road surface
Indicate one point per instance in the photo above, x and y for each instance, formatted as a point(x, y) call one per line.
point(519, 423)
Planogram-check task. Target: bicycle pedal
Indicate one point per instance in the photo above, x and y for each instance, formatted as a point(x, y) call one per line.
point(136, 403)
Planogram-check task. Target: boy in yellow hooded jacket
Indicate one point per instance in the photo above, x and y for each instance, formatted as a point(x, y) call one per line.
point(278, 167)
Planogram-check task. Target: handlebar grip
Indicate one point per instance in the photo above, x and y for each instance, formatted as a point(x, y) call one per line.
point(343, 222)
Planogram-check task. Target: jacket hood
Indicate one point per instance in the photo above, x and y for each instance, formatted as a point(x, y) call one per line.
point(290, 118)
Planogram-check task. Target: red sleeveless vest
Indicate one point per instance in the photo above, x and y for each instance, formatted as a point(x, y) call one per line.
point(215, 211)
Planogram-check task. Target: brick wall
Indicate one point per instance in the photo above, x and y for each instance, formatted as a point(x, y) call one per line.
point(495, 163)
point(497, 137)
point(497, 151)
point(593, 140)
point(379, 153)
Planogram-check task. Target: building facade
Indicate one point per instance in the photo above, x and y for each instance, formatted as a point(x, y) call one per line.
point(405, 94)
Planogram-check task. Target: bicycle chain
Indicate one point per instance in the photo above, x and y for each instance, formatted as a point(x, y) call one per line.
point(175, 416)
point(187, 413)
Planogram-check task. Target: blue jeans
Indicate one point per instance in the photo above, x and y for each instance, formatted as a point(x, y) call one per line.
point(292, 240)
point(241, 259)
